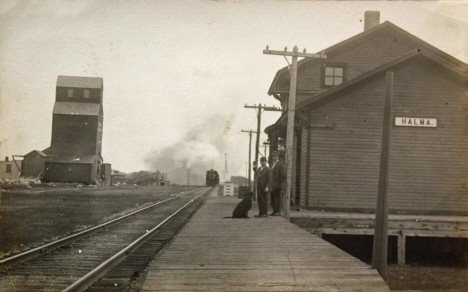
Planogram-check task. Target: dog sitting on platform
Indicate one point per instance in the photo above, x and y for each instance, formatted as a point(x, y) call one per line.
point(242, 209)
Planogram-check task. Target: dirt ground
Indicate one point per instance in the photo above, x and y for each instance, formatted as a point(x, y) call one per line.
point(431, 263)
point(32, 217)
point(432, 277)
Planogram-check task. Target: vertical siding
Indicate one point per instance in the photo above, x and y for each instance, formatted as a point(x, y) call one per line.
point(428, 166)
point(33, 165)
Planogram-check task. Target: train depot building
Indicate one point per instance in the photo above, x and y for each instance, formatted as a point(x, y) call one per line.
point(75, 151)
point(338, 135)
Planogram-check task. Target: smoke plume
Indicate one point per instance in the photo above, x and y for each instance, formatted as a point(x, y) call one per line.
point(201, 149)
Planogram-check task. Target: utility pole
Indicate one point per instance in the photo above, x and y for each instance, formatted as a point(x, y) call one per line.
point(247, 171)
point(259, 109)
point(380, 246)
point(265, 146)
point(225, 167)
point(188, 176)
point(291, 112)
point(250, 152)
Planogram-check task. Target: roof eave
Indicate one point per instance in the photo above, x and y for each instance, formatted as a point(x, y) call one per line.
point(328, 50)
point(278, 123)
point(345, 42)
point(320, 97)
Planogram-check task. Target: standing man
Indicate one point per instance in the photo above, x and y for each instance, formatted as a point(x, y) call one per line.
point(278, 179)
point(263, 186)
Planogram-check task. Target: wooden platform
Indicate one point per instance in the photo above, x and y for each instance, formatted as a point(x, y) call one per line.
point(213, 253)
point(402, 226)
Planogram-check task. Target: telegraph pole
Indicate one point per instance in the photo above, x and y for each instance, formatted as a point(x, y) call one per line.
point(265, 146)
point(247, 171)
point(225, 167)
point(259, 109)
point(250, 152)
point(291, 112)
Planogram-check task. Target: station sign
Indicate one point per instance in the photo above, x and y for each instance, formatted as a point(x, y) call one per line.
point(415, 122)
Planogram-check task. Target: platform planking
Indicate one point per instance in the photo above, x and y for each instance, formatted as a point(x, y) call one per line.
point(212, 253)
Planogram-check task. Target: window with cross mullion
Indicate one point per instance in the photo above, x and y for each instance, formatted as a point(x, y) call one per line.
point(333, 74)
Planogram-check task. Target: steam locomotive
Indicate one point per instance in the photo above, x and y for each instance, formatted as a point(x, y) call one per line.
point(212, 178)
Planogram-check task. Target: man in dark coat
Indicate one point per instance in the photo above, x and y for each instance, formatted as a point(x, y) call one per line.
point(263, 175)
point(278, 180)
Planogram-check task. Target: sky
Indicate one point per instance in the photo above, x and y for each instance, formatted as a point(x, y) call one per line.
point(177, 74)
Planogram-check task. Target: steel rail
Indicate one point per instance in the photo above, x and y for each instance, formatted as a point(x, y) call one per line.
point(55, 244)
point(90, 278)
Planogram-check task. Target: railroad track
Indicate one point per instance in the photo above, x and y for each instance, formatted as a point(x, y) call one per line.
point(115, 252)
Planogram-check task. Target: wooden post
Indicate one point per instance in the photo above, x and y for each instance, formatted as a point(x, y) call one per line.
point(290, 135)
point(401, 248)
point(250, 154)
point(257, 143)
point(250, 157)
point(307, 174)
point(379, 252)
point(291, 118)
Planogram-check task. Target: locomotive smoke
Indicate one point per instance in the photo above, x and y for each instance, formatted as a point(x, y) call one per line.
point(200, 150)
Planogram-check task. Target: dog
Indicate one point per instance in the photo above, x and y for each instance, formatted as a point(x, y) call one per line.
point(242, 209)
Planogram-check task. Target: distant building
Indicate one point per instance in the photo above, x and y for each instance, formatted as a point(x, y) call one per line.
point(10, 169)
point(239, 180)
point(75, 151)
point(121, 178)
point(147, 178)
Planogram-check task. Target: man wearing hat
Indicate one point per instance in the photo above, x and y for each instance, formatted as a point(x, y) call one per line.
point(278, 179)
point(263, 186)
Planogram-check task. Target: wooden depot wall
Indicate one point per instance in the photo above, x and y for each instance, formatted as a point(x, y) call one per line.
point(428, 166)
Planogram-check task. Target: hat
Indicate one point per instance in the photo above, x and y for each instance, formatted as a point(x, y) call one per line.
point(275, 153)
point(263, 159)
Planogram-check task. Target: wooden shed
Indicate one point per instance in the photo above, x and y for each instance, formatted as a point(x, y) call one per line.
point(33, 164)
point(339, 117)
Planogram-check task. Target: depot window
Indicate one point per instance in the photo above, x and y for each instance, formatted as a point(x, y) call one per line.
point(8, 168)
point(70, 92)
point(86, 93)
point(333, 74)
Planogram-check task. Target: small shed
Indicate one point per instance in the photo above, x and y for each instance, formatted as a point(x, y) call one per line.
point(33, 164)
point(71, 168)
point(106, 174)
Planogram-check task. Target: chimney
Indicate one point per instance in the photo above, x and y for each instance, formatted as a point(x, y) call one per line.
point(371, 19)
point(6, 158)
